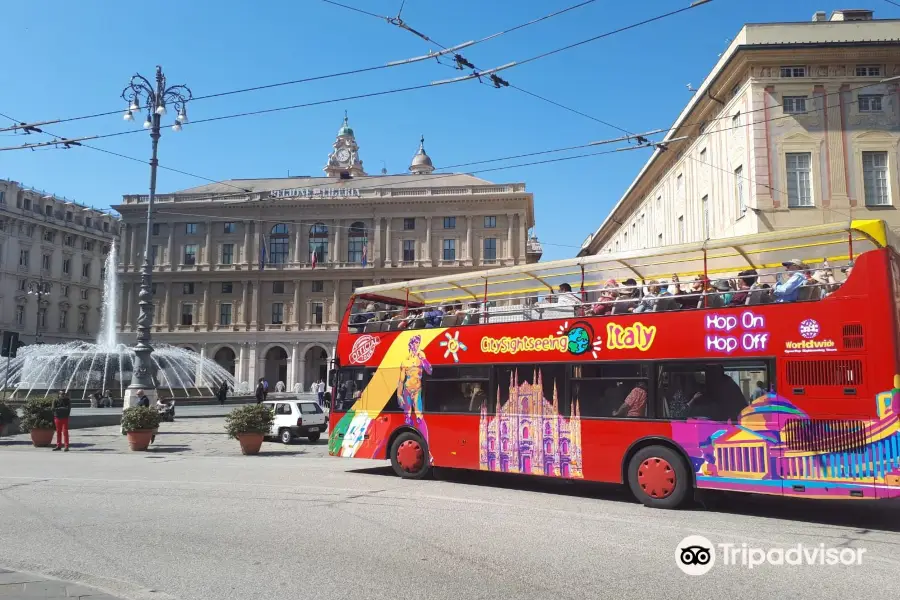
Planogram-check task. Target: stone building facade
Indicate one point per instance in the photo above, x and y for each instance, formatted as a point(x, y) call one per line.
point(257, 273)
point(797, 124)
point(58, 244)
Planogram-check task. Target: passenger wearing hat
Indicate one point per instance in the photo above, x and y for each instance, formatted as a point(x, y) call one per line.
point(723, 290)
point(789, 290)
point(847, 270)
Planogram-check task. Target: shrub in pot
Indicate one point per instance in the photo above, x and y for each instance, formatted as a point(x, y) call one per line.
point(249, 425)
point(7, 416)
point(37, 419)
point(139, 423)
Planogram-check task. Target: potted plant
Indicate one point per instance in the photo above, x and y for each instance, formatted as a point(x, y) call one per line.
point(249, 425)
point(139, 423)
point(37, 418)
point(7, 416)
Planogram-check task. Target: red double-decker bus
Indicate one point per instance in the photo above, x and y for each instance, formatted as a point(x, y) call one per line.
point(772, 370)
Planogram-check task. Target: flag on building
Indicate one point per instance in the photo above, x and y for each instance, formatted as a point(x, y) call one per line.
point(365, 254)
point(314, 259)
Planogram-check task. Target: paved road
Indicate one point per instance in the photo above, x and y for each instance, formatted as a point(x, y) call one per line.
point(205, 523)
point(15, 585)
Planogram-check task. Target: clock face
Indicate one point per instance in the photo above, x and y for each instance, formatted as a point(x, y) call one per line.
point(343, 155)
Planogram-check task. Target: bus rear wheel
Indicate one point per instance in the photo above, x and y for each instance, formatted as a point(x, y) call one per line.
point(409, 456)
point(658, 477)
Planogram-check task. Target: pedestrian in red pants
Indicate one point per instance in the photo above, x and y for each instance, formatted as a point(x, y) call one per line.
point(62, 406)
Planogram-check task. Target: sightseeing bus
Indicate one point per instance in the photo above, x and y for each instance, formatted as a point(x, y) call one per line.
point(766, 364)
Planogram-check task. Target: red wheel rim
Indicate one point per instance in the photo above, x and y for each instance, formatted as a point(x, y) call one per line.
point(656, 477)
point(410, 456)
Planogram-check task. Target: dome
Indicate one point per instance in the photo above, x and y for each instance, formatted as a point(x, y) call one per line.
point(345, 128)
point(421, 162)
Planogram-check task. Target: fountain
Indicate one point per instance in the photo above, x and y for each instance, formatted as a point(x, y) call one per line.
point(107, 364)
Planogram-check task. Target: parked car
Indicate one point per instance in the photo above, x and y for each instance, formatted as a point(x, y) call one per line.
point(297, 418)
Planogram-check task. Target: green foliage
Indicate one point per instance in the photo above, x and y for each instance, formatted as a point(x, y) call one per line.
point(253, 418)
point(37, 413)
point(7, 414)
point(137, 418)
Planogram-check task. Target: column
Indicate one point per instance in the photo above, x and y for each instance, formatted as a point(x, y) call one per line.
point(129, 308)
point(292, 375)
point(302, 378)
point(170, 251)
point(308, 313)
point(469, 261)
point(298, 231)
point(198, 377)
point(244, 312)
point(209, 245)
point(336, 251)
point(254, 314)
point(134, 248)
point(337, 303)
point(837, 192)
point(240, 369)
point(428, 241)
point(247, 227)
point(126, 255)
point(251, 367)
point(387, 243)
point(376, 251)
point(509, 235)
point(296, 314)
point(206, 319)
point(167, 307)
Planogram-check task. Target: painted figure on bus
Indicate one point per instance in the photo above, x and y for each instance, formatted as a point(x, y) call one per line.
point(409, 386)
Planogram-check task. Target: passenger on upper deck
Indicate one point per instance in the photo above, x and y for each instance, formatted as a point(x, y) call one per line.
point(648, 302)
point(788, 291)
point(628, 298)
point(746, 282)
point(607, 296)
point(566, 296)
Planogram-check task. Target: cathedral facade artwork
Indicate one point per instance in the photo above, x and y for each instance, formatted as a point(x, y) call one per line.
point(776, 448)
point(528, 434)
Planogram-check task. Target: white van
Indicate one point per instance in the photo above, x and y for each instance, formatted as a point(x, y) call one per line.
point(297, 418)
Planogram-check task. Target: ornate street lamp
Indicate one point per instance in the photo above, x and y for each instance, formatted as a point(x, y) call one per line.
point(39, 288)
point(139, 94)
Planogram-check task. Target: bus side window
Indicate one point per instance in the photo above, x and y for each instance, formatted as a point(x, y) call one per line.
point(451, 389)
point(351, 383)
point(602, 388)
point(520, 382)
point(715, 391)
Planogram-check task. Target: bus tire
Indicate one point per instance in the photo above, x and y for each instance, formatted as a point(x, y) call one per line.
point(658, 477)
point(409, 456)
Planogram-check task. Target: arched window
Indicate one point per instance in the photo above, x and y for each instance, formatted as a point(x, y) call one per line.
point(279, 244)
point(318, 242)
point(356, 243)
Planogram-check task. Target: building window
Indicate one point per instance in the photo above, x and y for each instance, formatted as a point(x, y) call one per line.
point(409, 224)
point(318, 286)
point(2, 197)
point(793, 104)
point(227, 287)
point(64, 291)
point(227, 254)
point(23, 258)
point(318, 242)
point(279, 244)
point(154, 253)
point(449, 222)
point(679, 183)
point(277, 313)
point(277, 287)
point(356, 283)
point(228, 228)
point(42, 318)
point(190, 228)
point(704, 202)
point(356, 243)
point(187, 314)
point(48, 210)
point(739, 190)
point(875, 178)
point(449, 247)
point(190, 254)
point(490, 250)
point(703, 155)
point(86, 270)
point(153, 288)
point(681, 229)
point(187, 288)
point(793, 71)
point(23, 284)
point(67, 266)
point(156, 229)
point(83, 293)
point(45, 262)
point(69, 240)
point(318, 313)
point(49, 235)
point(869, 103)
point(63, 319)
point(659, 240)
point(105, 225)
point(88, 245)
point(490, 222)
point(20, 315)
point(799, 176)
point(409, 250)
point(736, 121)
point(225, 314)
point(625, 241)
point(68, 215)
point(868, 71)
point(82, 322)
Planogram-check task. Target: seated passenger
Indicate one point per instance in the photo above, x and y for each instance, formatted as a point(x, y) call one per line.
point(787, 289)
point(651, 294)
point(721, 296)
point(604, 303)
point(433, 317)
point(628, 298)
point(635, 404)
point(566, 297)
point(746, 280)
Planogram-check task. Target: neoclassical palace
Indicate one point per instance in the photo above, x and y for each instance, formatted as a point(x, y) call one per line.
point(256, 273)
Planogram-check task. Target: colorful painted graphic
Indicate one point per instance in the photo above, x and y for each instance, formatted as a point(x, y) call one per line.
point(776, 448)
point(528, 435)
point(409, 386)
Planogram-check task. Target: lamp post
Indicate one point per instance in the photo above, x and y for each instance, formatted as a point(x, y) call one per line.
point(39, 288)
point(141, 94)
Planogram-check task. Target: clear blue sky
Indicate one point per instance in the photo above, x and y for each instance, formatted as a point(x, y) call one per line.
point(64, 59)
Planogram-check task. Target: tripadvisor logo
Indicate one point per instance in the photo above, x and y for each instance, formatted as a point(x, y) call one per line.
point(696, 555)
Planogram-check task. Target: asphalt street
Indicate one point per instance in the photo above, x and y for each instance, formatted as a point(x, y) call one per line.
point(204, 522)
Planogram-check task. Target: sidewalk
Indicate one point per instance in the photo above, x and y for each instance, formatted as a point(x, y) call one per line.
point(16, 586)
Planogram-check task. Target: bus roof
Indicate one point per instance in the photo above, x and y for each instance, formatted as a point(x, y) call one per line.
point(758, 251)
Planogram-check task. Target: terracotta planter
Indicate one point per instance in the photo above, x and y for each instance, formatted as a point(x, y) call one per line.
point(139, 440)
point(250, 442)
point(41, 438)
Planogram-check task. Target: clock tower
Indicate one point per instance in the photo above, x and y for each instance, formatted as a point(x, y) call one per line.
point(344, 160)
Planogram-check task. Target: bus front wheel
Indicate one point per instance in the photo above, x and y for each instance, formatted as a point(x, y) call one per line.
point(658, 477)
point(409, 456)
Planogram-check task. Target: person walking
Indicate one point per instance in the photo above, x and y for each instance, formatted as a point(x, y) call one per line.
point(222, 393)
point(320, 390)
point(260, 391)
point(62, 408)
point(265, 383)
